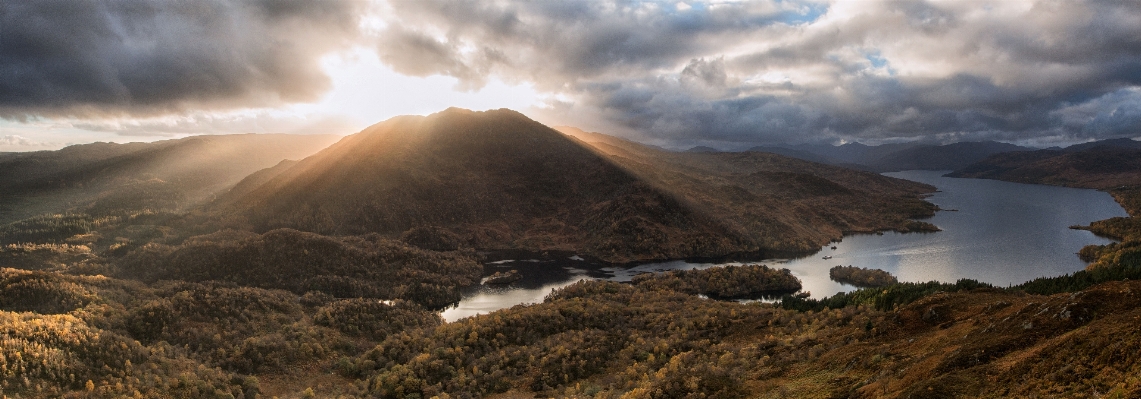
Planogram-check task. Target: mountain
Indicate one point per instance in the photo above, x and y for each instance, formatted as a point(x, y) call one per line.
point(943, 157)
point(896, 157)
point(780, 203)
point(854, 153)
point(498, 180)
point(168, 175)
point(702, 149)
point(795, 153)
point(1122, 143)
point(1098, 166)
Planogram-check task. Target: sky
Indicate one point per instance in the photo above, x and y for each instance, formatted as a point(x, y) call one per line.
point(725, 74)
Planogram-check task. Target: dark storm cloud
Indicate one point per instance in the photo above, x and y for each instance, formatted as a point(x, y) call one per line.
point(98, 58)
point(783, 71)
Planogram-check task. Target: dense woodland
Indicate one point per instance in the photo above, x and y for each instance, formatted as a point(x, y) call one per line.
point(596, 339)
point(368, 266)
point(730, 282)
point(861, 277)
point(122, 298)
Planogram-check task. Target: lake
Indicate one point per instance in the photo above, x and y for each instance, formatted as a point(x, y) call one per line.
point(1001, 233)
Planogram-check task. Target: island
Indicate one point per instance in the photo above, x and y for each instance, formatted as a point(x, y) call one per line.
point(501, 278)
point(861, 277)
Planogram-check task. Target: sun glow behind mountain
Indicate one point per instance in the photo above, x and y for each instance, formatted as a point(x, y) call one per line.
point(362, 91)
point(366, 91)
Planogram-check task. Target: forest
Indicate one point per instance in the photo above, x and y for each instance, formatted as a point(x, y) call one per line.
point(861, 277)
point(75, 335)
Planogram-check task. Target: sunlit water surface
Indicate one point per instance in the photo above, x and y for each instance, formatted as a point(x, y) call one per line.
point(1002, 233)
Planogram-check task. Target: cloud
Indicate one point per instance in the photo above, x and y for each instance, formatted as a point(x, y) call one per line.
point(238, 122)
point(17, 141)
point(788, 71)
point(738, 73)
point(136, 57)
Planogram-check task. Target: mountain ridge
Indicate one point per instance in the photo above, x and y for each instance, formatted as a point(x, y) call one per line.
point(176, 173)
point(895, 157)
point(1097, 167)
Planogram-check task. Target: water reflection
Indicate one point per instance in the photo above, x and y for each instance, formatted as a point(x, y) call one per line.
point(1002, 233)
point(539, 279)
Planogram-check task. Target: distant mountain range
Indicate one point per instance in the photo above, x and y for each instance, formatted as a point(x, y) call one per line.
point(1123, 143)
point(895, 157)
point(910, 156)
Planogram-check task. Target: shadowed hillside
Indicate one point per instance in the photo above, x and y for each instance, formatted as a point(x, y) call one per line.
point(498, 180)
point(163, 176)
point(895, 157)
point(780, 203)
point(1100, 167)
point(943, 157)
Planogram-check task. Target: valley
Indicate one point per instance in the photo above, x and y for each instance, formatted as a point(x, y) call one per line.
point(172, 269)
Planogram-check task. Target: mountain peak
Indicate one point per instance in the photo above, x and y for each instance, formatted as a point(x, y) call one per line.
point(498, 180)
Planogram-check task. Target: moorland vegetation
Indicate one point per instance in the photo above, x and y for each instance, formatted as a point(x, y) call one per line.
point(163, 298)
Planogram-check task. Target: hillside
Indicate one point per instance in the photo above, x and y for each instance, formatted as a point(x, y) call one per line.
point(344, 267)
point(855, 153)
point(943, 157)
point(895, 157)
point(495, 179)
point(498, 180)
point(165, 175)
point(1120, 143)
point(1100, 167)
point(780, 203)
point(794, 153)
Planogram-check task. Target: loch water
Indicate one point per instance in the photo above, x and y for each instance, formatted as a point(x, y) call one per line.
point(993, 231)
